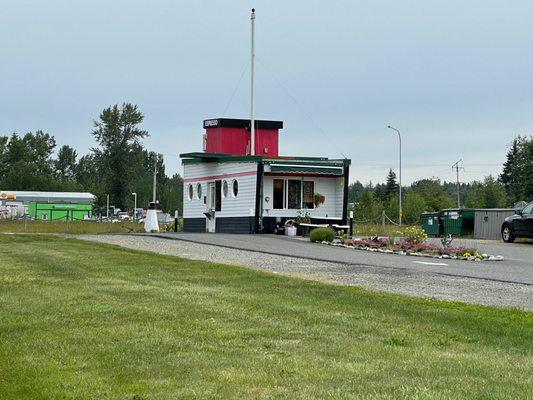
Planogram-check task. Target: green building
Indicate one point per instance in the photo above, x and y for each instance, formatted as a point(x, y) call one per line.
point(52, 206)
point(59, 211)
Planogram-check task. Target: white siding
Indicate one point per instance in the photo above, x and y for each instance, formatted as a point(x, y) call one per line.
point(331, 188)
point(243, 205)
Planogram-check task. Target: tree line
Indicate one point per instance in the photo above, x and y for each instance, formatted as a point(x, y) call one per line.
point(118, 166)
point(514, 184)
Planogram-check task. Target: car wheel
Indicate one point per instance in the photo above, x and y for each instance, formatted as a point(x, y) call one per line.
point(507, 235)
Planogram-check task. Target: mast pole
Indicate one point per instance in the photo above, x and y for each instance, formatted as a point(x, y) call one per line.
point(155, 182)
point(252, 119)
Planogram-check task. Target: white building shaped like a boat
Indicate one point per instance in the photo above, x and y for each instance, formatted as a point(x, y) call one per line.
point(240, 183)
point(231, 187)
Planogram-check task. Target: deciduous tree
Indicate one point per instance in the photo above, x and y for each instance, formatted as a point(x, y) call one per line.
point(117, 133)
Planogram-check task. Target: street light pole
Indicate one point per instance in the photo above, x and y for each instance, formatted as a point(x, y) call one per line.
point(400, 178)
point(134, 206)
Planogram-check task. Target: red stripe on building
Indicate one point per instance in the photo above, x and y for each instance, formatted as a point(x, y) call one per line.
point(216, 177)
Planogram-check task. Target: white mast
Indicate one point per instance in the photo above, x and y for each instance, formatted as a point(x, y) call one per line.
point(252, 119)
point(155, 180)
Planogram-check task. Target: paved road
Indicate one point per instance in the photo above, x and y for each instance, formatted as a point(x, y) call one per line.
point(514, 269)
point(520, 252)
point(390, 273)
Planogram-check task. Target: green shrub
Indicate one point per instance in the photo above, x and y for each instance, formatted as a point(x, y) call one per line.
point(322, 234)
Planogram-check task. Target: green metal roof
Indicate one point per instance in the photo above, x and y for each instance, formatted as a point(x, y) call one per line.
point(199, 157)
point(307, 169)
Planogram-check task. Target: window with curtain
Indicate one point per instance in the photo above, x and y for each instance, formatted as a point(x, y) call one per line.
point(279, 194)
point(294, 194)
point(309, 194)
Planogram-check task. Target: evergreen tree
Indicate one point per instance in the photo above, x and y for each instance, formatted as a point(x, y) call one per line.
point(433, 193)
point(525, 166)
point(367, 209)
point(510, 174)
point(392, 209)
point(4, 166)
point(494, 193)
point(354, 191)
point(476, 198)
point(391, 187)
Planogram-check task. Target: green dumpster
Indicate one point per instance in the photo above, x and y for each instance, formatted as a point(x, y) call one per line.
point(458, 221)
point(431, 223)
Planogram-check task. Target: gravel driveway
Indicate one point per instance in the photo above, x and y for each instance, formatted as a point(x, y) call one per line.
point(389, 279)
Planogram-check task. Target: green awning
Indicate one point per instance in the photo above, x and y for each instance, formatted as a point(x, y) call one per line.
point(306, 169)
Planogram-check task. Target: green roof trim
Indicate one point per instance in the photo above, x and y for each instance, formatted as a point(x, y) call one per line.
point(307, 169)
point(195, 158)
point(199, 157)
point(303, 161)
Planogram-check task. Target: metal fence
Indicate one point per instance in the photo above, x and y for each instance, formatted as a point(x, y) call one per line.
point(488, 222)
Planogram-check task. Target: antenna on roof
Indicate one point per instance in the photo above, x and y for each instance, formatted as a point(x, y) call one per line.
point(252, 119)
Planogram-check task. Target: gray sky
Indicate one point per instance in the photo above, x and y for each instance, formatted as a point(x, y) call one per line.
point(454, 76)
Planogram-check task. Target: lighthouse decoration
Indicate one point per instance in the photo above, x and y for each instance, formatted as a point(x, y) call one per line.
point(150, 222)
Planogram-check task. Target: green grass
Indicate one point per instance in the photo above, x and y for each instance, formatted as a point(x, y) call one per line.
point(80, 320)
point(377, 230)
point(72, 227)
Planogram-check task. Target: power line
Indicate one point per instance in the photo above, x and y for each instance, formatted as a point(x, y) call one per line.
point(236, 88)
point(302, 109)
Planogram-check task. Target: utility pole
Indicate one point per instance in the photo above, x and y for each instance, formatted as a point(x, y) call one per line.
point(457, 168)
point(107, 213)
point(252, 119)
point(134, 194)
point(400, 177)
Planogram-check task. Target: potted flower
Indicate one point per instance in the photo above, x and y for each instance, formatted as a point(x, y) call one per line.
point(302, 217)
point(319, 199)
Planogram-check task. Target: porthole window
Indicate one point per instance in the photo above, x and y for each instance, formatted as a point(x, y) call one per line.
point(199, 191)
point(235, 187)
point(225, 189)
point(190, 191)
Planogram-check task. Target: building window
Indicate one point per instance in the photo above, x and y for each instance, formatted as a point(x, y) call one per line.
point(199, 191)
point(218, 195)
point(294, 194)
point(309, 194)
point(279, 194)
point(225, 189)
point(235, 186)
point(190, 191)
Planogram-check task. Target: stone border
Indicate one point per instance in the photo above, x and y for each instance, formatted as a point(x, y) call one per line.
point(486, 257)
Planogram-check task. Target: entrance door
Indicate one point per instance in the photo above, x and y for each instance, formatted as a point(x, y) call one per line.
point(211, 206)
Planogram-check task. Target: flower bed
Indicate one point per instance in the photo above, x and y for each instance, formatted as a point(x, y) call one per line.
point(413, 243)
point(405, 247)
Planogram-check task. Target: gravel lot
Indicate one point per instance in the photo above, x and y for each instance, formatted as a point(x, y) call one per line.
point(394, 280)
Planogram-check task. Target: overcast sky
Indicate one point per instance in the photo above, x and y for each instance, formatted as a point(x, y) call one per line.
point(456, 77)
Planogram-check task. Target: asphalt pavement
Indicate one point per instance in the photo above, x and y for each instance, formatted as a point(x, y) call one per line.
point(504, 284)
point(517, 267)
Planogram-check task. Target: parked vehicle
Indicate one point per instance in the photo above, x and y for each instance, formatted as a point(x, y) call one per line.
point(123, 216)
point(519, 225)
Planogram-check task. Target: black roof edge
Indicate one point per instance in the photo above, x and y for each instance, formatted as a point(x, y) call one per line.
point(241, 123)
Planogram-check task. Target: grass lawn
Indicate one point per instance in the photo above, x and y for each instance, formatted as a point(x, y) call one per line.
point(71, 227)
point(80, 320)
